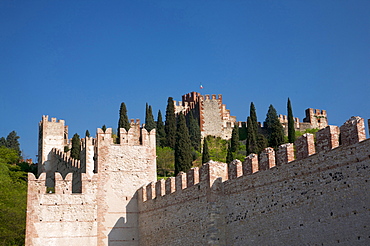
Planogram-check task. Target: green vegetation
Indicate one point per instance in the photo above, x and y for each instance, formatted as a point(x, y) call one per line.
point(76, 147)
point(149, 119)
point(205, 152)
point(13, 193)
point(160, 133)
point(183, 151)
point(194, 132)
point(170, 124)
point(275, 131)
point(291, 130)
point(123, 120)
point(165, 161)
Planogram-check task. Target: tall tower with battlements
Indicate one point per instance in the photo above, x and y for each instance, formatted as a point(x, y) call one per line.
point(98, 193)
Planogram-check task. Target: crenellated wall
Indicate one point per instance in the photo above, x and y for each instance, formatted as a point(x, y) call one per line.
point(62, 217)
point(321, 197)
point(92, 201)
point(312, 192)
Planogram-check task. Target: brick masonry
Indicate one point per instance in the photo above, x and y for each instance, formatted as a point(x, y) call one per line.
point(319, 198)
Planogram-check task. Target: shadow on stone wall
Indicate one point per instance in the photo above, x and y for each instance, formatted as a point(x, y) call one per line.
point(125, 230)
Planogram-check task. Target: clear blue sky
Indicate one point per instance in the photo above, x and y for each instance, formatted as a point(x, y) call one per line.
point(78, 60)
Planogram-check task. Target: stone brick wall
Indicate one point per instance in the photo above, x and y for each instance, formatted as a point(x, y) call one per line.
point(320, 198)
point(95, 200)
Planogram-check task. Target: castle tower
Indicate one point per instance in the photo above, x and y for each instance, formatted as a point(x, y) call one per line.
point(52, 134)
point(316, 117)
point(214, 119)
point(122, 169)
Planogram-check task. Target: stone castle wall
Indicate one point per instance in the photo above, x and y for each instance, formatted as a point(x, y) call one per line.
point(304, 193)
point(94, 200)
point(319, 198)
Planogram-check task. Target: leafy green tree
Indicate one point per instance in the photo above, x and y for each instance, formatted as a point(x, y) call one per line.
point(234, 141)
point(123, 120)
point(165, 161)
point(205, 152)
point(251, 140)
point(160, 133)
point(229, 156)
point(170, 124)
point(76, 147)
point(87, 133)
point(183, 156)
point(12, 142)
point(274, 128)
point(194, 132)
point(149, 119)
point(291, 129)
point(13, 198)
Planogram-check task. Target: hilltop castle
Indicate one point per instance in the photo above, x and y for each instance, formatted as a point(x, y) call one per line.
point(314, 195)
point(215, 120)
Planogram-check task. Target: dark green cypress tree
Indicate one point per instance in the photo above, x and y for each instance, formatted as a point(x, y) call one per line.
point(253, 115)
point(274, 128)
point(243, 132)
point(234, 141)
point(149, 119)
point(123, 120)
point(229, 156)
point(170, 124)
point(251, 140)
point(104, 128)
point(205, 152)
point(76, 147)
point(160, 133)
point(194, 132)
point(291, 128)
point(12, 142)
point(87, 133)
point(183, 154)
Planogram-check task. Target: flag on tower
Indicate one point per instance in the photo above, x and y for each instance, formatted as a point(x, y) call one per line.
point(201, 86)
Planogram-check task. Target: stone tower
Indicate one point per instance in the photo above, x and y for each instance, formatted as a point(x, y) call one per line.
point(97, 193)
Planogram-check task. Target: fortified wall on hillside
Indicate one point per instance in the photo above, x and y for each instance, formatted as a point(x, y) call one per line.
point(317, 195)
point(215, 120)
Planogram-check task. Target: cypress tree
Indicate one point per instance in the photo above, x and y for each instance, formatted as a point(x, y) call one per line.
point(76, 147)
point(243, 132)
point(234, 141)
point(183, 156)
point(149, 119)
point(123, 120)
point(12, 142)
point(251, 140)
point(229, 156)
point(205, 153)
point(291, 129)
point(253, 115)
point(274, 128)
point(194, 132)
point(160, 133)
point(104, 128)
point(170, 124)
point(87, 133)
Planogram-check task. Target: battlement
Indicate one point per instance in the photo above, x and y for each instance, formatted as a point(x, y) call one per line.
point(212, 97)
point(66, 158)
point(63, 186)
point(45, 118)
point(352, 131)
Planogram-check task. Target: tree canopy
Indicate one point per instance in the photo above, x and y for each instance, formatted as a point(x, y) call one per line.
point(274, 128)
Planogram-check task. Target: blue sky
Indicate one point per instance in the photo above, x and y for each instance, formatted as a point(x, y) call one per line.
point(78, 60)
